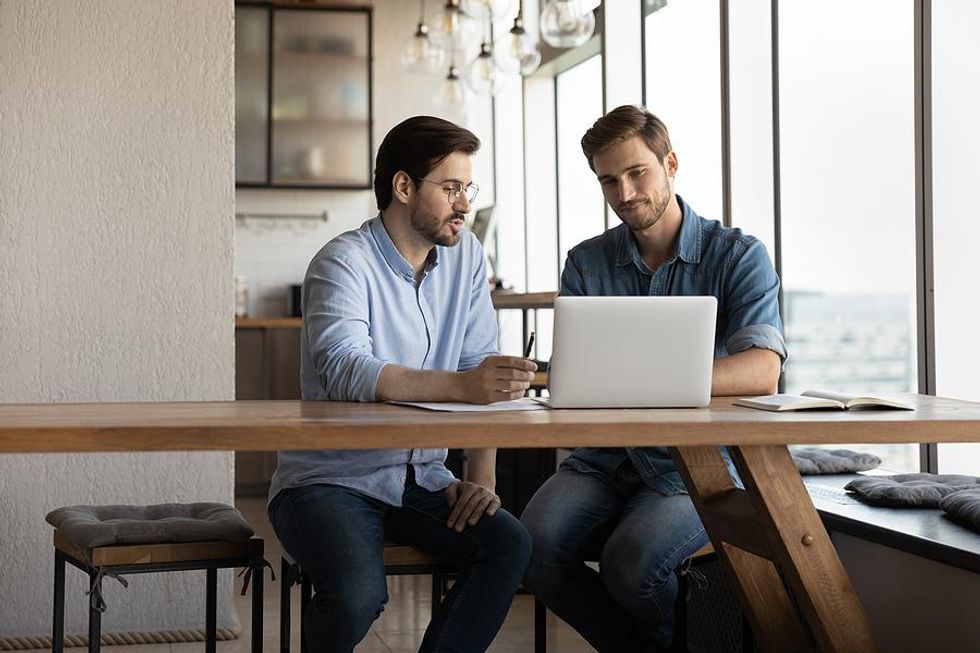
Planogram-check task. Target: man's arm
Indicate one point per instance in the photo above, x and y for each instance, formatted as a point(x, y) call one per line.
point(497, 378)
point(750, 372)
point(474, 497)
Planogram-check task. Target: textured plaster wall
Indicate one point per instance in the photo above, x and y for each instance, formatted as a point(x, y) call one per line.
point(116, 269)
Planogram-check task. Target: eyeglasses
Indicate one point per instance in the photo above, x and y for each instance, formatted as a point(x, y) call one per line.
point(455, 189)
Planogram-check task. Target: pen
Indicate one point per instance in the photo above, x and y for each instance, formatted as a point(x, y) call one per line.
point(530, 343)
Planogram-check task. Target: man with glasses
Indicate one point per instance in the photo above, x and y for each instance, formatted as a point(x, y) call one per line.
point(627, 507)
point(399, 309)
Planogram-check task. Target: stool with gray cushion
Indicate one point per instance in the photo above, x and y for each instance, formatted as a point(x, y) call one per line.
point(910, 490)
point(813, 460)
point(399, 560)
point(117, 540)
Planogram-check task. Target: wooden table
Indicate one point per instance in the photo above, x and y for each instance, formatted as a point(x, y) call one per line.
point(768, 527)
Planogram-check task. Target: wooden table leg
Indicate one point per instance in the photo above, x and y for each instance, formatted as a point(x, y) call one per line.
point(770, 527)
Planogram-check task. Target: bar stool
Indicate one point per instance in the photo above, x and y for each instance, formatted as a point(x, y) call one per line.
point(399, 560)
point(701, 556)
point(118, 540)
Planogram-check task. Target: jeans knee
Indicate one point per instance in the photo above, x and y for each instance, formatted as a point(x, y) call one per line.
point(357, 609)
point(637, 587)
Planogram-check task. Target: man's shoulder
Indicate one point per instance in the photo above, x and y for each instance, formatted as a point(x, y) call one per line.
point(605, 245)
point(728, 242)
point(350, 246)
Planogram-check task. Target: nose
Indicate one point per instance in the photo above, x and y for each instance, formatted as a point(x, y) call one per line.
point(462, 203)
point(626, 190)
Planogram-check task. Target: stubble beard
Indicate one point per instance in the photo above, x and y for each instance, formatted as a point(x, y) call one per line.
point(658, 208)
point(430, 227)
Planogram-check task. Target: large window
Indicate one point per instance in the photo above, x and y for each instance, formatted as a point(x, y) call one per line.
point(848, 199)
point(683, 88)
point(956, 224)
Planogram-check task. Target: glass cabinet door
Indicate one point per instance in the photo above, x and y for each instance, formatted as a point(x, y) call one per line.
point(251, 94)
point(320, 98)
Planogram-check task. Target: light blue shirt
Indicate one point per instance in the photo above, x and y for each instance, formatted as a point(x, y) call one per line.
point(363, 309)
point(710, 259)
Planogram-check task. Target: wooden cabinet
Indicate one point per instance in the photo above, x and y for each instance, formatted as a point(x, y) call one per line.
point(302, 96)
point(266, 367)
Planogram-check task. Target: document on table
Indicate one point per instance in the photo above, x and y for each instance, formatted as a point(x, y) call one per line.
point(453, 407)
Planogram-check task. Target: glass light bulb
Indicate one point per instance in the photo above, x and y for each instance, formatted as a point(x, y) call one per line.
point(453, 29)
point(421, 54)
point(564, 24)
point(517, 52)
point(451, 95)
point(481, 74)
point(480, 9)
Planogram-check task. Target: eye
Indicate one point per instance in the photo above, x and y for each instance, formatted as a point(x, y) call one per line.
point(638, 173)
point(605, 183)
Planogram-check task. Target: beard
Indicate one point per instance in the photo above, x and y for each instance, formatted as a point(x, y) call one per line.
point(431, 227)
point(635, 218)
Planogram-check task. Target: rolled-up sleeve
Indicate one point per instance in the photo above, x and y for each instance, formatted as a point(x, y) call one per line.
point(752, 295)
point(336, 324)
point(480, 339)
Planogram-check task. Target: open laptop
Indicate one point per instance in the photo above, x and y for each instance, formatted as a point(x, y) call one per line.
point(632, 352)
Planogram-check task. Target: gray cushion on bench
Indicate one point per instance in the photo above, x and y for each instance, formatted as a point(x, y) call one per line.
point(963, 506)
point(810, 460)
point(86, 527)
point(910, 490)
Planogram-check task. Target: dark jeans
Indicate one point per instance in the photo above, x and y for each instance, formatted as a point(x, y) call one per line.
point(637, 535)
point(337, 534)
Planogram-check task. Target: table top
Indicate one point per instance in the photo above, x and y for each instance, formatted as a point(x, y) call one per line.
point(275, 425)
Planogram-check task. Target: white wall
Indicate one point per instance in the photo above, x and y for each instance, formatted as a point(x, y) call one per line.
point(274, 253)
point(116, 268)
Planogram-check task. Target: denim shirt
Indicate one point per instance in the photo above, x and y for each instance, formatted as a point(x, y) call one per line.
point(362, 309)
point(709, 259)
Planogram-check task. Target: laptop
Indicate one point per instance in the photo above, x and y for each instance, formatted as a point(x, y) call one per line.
point(632, 352)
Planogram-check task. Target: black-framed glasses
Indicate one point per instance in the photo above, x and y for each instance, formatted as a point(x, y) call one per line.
point(454, 189)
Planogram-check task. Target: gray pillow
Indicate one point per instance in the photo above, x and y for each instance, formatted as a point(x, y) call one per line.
point(963, 506)
point(811, 460)
point(910, 490)
point(87, 527)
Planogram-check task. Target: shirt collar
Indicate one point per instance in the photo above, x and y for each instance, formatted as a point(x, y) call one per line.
point(393, 257)
point(688, 241)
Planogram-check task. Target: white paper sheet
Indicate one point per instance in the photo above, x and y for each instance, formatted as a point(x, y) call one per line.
point(452, 407)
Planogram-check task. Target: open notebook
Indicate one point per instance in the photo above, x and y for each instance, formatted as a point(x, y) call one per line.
point(821, 399)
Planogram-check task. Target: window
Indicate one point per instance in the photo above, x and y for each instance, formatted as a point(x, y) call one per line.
point(848, 205)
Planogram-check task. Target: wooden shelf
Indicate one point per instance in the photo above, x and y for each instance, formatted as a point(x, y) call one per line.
point(505, 299)
point(268, 322)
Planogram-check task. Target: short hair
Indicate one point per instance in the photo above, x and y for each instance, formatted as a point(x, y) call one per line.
point(416, 146)
point(621, 124)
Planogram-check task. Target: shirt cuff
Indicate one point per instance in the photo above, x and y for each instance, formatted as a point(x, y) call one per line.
point(762, 336)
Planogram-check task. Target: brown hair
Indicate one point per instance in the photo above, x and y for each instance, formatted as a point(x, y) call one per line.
point(415, 146)
point(622, 123)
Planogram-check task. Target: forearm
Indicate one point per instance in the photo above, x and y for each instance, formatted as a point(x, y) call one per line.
point(398, 383)
point(481, 467)
point(750, 372)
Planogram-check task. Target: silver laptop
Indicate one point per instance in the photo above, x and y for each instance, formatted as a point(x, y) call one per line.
point(632, 352)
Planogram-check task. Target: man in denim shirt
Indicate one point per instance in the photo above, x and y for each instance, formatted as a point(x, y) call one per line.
point(628, 508)
point(400, 309)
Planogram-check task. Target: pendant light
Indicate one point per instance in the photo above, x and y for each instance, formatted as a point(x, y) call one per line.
point(565, 24)
point(481, 75)
point(421, 53)
point(451, 96)
point(518, 51)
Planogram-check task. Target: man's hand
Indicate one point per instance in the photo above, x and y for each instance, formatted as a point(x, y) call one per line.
point(469, 502)
point(498, 378)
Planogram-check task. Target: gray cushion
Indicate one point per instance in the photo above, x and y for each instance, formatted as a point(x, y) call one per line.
point(811, 460)
point(86, 527)
point(963, 506)
point(910, 490)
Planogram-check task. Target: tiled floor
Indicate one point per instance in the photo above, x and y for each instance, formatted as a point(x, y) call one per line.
point(398, 630)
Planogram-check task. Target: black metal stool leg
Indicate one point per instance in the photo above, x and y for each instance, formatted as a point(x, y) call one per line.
point(94, 616)
point(58, 622)
point(437, 585)
point(211, 613)
point(258, 593)
point(285, 608)
point(306, 593)
point(540, 627)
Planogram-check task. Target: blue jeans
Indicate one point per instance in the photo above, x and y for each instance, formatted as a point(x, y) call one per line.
point(638, 536)
point(337, 534)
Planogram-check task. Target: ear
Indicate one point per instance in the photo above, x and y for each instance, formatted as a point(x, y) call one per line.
point(670, 164)
point(402, 187)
